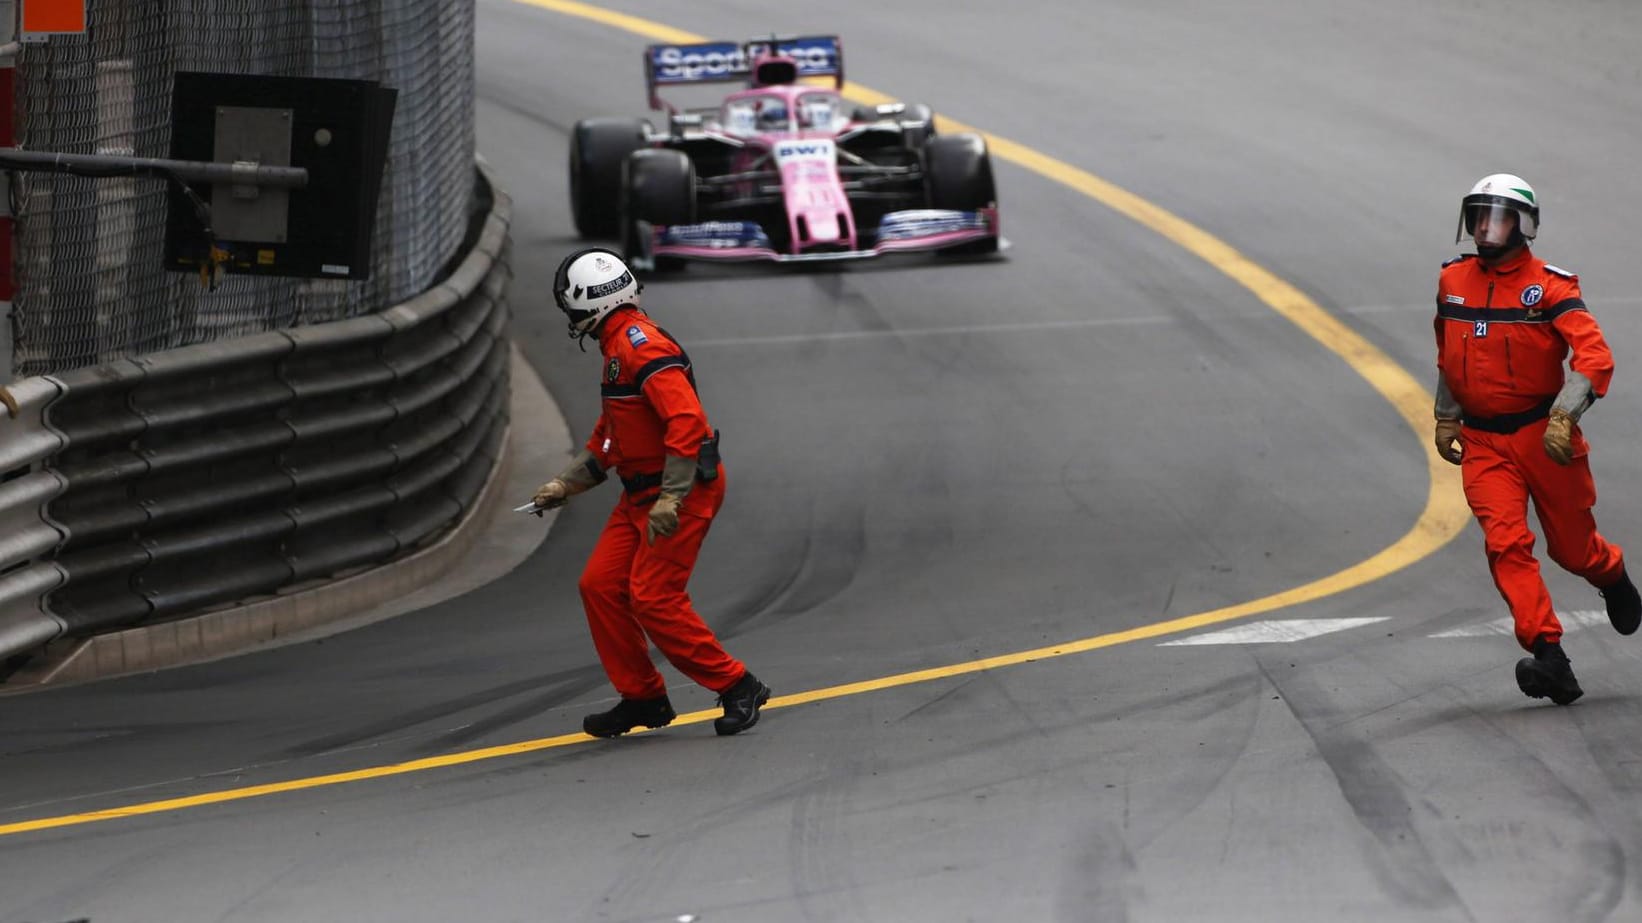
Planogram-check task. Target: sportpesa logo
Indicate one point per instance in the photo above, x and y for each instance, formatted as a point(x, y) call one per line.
point(716, 60)
point(811, 58)
point(695, 62)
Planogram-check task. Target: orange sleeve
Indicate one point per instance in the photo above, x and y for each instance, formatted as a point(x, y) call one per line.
point(1436, 315)
point(683, 420)
point(1591, 356)
point(595, 444)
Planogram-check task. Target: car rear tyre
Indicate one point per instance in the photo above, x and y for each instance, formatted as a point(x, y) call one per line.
point(958, 176)
point(598, 148)
point(659, 189)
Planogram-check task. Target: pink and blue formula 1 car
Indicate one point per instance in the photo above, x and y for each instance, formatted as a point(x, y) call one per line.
point(783, 170)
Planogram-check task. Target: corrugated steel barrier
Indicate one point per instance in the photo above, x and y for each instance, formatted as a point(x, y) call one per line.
point(145, 489)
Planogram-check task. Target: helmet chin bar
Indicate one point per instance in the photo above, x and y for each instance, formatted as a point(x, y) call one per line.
point(580, 328)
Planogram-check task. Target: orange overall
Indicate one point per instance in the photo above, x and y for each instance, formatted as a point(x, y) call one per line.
point(631, 589)
point(1502, 335)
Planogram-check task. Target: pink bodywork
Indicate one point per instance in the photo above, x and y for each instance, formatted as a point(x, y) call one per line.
point(820, 219)
point(818, 211)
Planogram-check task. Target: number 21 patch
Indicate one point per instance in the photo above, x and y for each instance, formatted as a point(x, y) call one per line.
point(1481, 328)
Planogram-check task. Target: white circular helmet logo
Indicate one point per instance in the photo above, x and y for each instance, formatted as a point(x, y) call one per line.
point(1531, 295)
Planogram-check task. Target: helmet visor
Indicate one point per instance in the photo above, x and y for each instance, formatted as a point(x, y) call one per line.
point(1490, 224)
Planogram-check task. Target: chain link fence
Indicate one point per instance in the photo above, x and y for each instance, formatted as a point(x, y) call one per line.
point(90, 287)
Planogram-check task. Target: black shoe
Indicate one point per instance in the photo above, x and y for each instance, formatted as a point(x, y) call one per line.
point(741, 703)
point(1624, 605)
point(629, 714)
point(1548, 675)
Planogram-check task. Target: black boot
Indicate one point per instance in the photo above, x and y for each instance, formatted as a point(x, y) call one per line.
point(629, 714)
point(1624, 605)
point(1548, 674)
point(741, 703)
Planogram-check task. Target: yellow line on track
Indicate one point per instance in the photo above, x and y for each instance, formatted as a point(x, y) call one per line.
point(1445, 513)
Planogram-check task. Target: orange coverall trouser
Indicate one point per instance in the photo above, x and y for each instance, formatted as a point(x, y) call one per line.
point(634, 593)
point(1501, 473)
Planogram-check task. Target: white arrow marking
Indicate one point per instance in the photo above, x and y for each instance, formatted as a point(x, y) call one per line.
point(1578, 618)
point(1277, 631)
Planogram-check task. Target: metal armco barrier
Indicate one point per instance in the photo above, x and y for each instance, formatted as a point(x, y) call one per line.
point(27, 541)
point(145, 489)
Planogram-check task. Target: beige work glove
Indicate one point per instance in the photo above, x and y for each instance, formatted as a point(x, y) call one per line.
point(664, 517)
point(1448, 440)
point(552, 495)
point(677, 477)
point(1559, 437)
point(574, 479)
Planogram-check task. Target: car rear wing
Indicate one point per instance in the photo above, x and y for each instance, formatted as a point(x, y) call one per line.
point(727, 62)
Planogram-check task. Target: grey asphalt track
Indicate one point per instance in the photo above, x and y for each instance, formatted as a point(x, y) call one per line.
point(931, 463)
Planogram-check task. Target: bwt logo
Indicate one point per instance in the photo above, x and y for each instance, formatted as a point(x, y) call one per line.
point(810, 149)
point(698, 62)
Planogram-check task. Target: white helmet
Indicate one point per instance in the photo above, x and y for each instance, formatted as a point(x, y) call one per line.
point(590, 284)
point(1494, 195)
